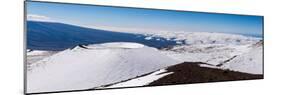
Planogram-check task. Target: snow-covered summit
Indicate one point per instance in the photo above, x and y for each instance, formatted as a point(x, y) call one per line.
point(91, 66)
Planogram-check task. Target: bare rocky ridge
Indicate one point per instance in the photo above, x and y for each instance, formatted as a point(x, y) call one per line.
point(191, 72)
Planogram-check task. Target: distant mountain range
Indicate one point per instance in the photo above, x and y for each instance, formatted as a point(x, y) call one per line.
point(59, 36)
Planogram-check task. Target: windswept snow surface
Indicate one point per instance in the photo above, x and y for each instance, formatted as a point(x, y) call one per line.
point(36, 55)
point(93, 66)
point(209, 53)
point(234, 52)
point(250, 62)
point(243, 58)
point(142, 81)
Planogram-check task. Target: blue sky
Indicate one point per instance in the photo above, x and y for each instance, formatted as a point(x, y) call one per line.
point(146, 19)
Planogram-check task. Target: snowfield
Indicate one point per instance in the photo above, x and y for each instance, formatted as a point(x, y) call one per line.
point(210, 53)
point(94, 65)
point(250, 62)
point(243, 58)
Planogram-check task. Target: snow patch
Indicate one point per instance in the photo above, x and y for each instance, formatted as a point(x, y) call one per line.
point(145, 80)
point(148, 38)
point(122, 45)
point(209, 66)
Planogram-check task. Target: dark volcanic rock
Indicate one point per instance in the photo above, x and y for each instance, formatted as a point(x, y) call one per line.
point(191, 72)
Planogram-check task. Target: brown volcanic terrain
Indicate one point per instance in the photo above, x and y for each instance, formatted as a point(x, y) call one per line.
point(191, 72)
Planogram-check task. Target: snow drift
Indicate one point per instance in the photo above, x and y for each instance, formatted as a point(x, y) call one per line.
point(94, 65)
point(249, 62)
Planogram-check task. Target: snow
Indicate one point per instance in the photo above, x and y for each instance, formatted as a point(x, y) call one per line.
point(36, 55)
point(243, 58)
point(102, 64)
point(209, 53)
point(128, 45)
point(148, 38)
point(209, 66)
point(141, 81)
point(36, 52)
point(200, 37)
point(215, 49)
point(250, 62)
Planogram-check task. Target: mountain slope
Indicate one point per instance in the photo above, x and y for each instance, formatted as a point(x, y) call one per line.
point(249, 62)
point(192, 72)
point(185, 73)
point(59, 36)
point(93, 66)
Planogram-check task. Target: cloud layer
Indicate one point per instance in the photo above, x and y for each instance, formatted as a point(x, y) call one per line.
point(35, 17)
